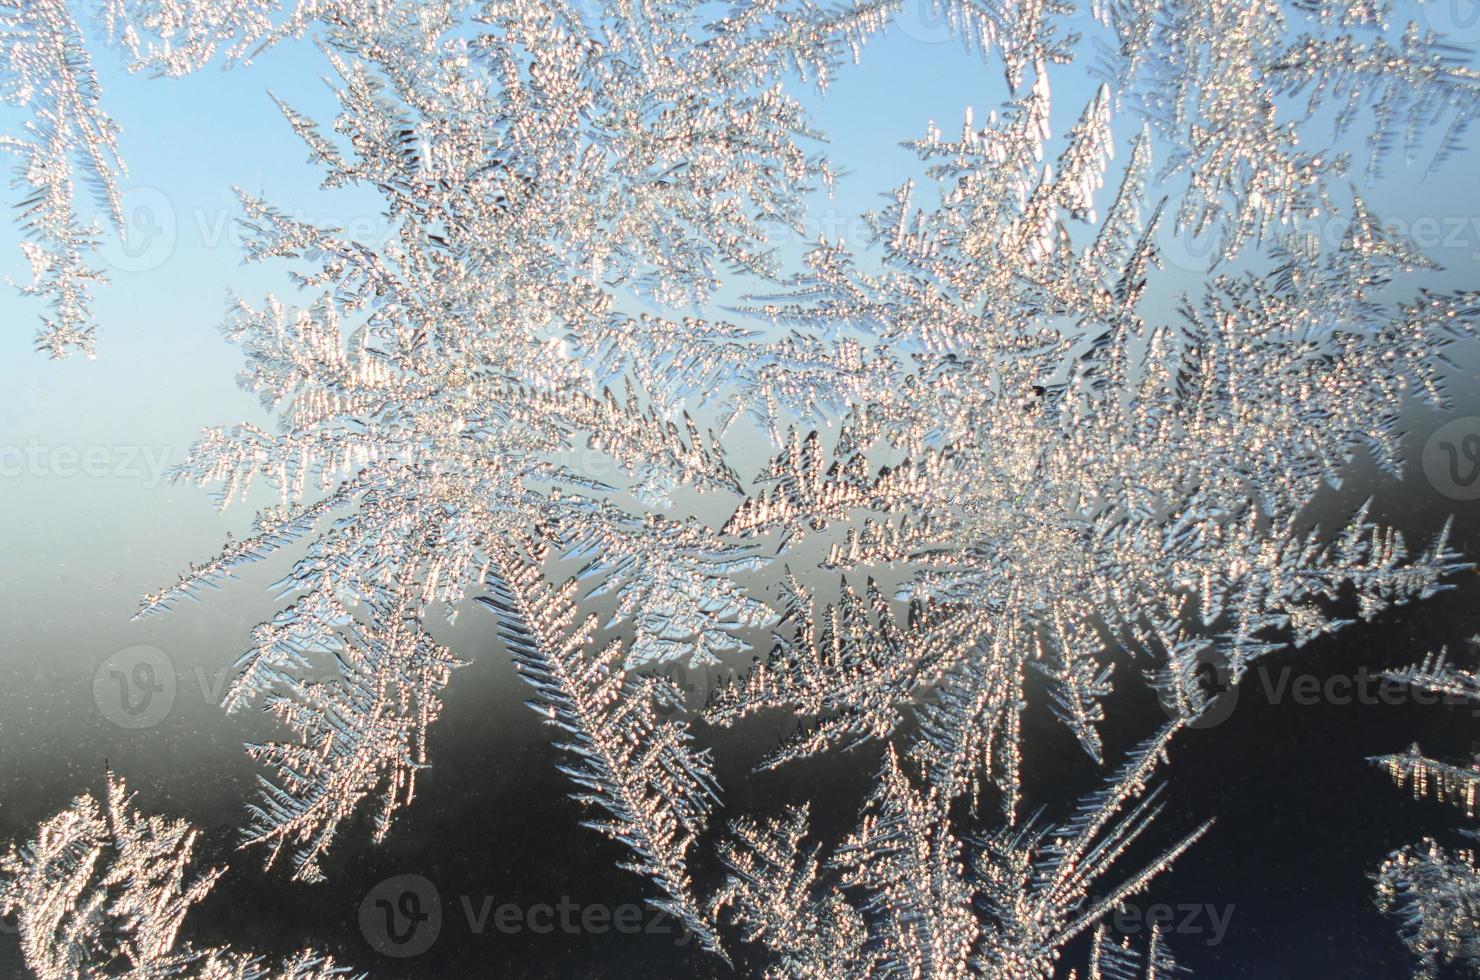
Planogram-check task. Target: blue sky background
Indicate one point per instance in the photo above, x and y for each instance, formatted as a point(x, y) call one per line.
point(163, 371)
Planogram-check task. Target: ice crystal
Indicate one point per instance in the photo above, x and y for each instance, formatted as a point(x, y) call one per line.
point(905, 896)
point(103, 890)
point(656, 788)
point(1434, 893)
point(1112, 960)
point(1435, 896)
point(1024, 444)
point(1208, 77)
point(430, 394)
point(177, 37)
point(1085, 478)
point(45, 67)
point(853, 670)
point(360, 734)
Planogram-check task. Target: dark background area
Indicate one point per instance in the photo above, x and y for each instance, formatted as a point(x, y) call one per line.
point(1302, 819)
point(1301, 822)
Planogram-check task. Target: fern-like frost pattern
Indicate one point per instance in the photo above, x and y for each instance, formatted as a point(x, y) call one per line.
point(1008, 446)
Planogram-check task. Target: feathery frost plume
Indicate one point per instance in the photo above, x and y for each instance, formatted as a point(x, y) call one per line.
point(103, 890)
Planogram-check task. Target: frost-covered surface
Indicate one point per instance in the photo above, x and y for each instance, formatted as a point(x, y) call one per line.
point(1005, 400)
point(103, 891)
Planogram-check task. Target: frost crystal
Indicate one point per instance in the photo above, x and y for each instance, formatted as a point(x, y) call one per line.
point(1113, 960)
point(1019, 442)
point(103, 890)
point(44, 66)
point(430, 394)
point(1434, 893)
point(656, 789)
point(904, 896)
